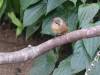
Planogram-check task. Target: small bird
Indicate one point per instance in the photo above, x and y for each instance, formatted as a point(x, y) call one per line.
point(58, 26)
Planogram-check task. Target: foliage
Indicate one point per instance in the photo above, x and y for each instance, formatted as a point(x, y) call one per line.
point(33, 15)
point(63, 68)
point(2, 7)
point(1, 3)
point(17, 22)
point(79, 57)
point(44, 64)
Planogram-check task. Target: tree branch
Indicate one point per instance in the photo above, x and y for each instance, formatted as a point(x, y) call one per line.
point(32, 52)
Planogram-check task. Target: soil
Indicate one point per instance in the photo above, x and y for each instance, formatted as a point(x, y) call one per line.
point(8, 43)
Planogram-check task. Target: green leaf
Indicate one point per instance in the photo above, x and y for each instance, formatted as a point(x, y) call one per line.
point(52, 4)
point(95, 70)
point(79, 59)
point(14, 19)
point(1, 3)
point(31, 30)
point(46, 27)
point(72, 20)
point(64, 68)
point(74, 1)
point(87, 12)
point(44, 64)
point(2, 9)
point(19, 31)
point(91, 44)
point(31, 15)
point(17, 22)
point(26, 3)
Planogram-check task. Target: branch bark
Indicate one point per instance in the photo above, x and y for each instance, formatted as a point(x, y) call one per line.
point(32, 52)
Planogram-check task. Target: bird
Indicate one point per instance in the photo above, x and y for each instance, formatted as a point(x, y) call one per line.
point(59, 26)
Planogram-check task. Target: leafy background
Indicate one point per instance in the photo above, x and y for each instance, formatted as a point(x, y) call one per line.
point(30, 16)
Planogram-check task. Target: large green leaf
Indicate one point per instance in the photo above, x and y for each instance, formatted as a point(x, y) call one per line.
point(31, 15)
point(52, 4)
point(26, 3)
point(14, 19)
point(79, 59)
point(91, 44)
point(46, 27)
point(72, 20)
point(16, 22)
point(95, 70)
point(64, 68)
point(44, 64)
point(2, 9)
point(87, 12)
point(1, 3)
point(31, 30)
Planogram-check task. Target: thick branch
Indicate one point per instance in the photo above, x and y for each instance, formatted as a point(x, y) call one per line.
point(32, 52)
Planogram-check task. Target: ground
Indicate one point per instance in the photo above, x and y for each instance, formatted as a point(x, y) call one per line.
point(9, 42)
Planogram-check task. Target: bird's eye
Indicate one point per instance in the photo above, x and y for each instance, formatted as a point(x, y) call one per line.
point(57, 22)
